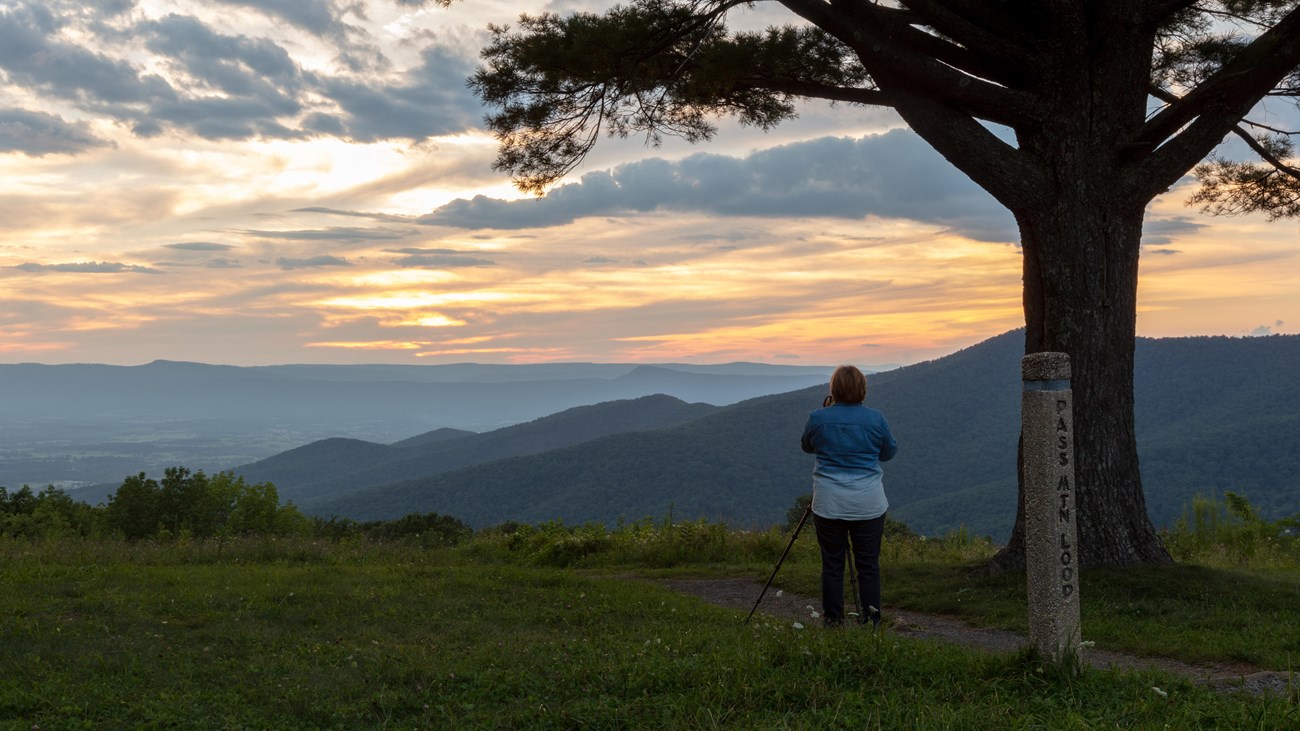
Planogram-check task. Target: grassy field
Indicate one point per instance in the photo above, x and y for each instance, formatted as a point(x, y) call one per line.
point(529, 630)
point(1191, 611)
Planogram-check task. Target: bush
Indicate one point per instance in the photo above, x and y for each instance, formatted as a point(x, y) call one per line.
point(1230, 532)
point(429, 530)
point(191, 504)
point(49, 514)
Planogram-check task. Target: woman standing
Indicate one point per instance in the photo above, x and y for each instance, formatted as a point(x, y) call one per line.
point(850, 441)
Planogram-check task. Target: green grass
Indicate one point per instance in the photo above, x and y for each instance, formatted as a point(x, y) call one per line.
point(300, 634)
point(1243, 610)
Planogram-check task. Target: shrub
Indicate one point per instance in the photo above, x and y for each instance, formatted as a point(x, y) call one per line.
point(1230, 532)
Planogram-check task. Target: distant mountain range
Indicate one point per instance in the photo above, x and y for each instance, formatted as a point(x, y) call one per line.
point(77, 424)
point(1213, 414)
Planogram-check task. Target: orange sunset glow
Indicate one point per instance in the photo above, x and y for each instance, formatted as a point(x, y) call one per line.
point(288, 206)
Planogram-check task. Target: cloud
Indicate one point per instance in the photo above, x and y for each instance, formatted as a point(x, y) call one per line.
point(199, 246)
point(33, 59)
point(892, 175)
point(342, 233)
point(37, 134)
point(439, 259)
point(356, 214)
point(87, 267)
point(240, 87)
point(427, 101)
point(1263, 330)
point(318, 17)
point(219, 86)
point(312, 262)
point(1164, 231)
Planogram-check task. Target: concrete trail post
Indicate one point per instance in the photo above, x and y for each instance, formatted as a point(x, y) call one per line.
point(1051, 533)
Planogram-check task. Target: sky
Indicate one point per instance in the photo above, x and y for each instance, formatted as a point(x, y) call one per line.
point(254, 182)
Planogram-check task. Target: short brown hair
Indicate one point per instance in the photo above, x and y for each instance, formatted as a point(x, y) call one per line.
point(848, 385)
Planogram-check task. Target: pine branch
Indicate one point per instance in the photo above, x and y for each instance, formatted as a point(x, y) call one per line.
point(1190, 126)
point(891, 60)
point(981, 26)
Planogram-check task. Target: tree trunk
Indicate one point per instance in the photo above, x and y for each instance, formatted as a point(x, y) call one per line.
point(1080, 246)
point(1081, 232)
point(1073, 186)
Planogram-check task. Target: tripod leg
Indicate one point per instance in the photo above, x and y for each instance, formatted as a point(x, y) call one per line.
point(780, 561)
point(853, 580)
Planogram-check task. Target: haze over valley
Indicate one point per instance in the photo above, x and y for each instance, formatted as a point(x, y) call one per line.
point(73, 425)
point(604, 442)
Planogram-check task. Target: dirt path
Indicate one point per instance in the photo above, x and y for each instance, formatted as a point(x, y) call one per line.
point(741, 593)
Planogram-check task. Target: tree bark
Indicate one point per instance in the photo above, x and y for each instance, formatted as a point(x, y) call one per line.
point(1081, 243)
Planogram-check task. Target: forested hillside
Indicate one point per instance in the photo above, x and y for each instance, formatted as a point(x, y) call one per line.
point(1213, 414)
point(334, 466)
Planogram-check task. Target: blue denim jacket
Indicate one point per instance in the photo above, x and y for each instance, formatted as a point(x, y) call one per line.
point(850, 441)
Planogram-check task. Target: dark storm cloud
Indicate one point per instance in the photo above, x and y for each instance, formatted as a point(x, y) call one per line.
point(312, 262)
point(87, 267)
point(38, 133)
point(894, 175)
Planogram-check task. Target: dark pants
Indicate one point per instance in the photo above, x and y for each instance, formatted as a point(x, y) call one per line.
point(834, 537)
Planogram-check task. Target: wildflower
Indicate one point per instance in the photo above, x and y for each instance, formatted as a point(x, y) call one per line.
point(797, 625)
point(814, 615)
point(1159, 692)
point(1087, 643)
point(779, 592)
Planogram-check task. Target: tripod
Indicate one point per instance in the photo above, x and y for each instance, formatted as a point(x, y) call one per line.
point(853, 575)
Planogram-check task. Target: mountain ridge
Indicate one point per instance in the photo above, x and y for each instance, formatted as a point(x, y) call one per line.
point(956, 419)
point(301, 477)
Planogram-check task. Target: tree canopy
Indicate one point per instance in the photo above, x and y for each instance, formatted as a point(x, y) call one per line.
point(670, 67)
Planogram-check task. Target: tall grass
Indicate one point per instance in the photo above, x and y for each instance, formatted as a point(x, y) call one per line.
point(1232, 533)
point(644, 544)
